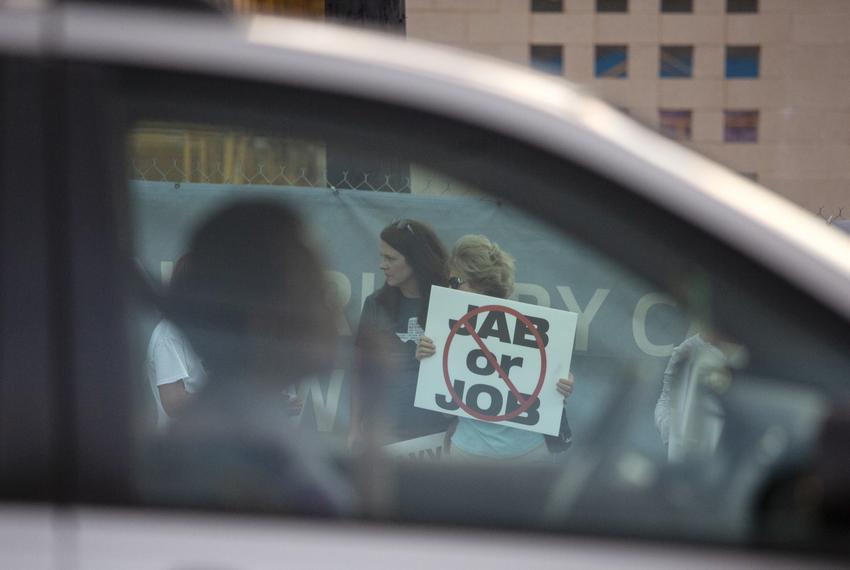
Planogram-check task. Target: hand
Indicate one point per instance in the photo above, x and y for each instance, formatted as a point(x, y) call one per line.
point(565, 386)
point(425, 348)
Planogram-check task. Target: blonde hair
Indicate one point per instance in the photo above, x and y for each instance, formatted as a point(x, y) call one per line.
point(487, 268)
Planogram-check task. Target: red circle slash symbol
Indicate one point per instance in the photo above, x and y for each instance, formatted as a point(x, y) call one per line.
point(524, 403)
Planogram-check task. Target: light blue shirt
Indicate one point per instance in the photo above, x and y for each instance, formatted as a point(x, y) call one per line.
point(487, 439)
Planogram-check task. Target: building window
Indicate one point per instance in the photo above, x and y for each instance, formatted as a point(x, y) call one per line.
point(742, 61)
point(676, 61)
point(612, 5)
point(675, 123)
point(741, 126)
point(677, 5)
point(742, 6)
point(548, 58)
point(612, 61)
point(547, 5)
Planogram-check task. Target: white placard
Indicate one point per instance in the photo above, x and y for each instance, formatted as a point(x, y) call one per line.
point(497, 360)
point(425, 448)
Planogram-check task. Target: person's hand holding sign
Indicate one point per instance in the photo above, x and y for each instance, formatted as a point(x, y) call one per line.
point(565, 386)
point(425, 348)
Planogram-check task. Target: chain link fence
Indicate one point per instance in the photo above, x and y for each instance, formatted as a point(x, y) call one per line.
point(159, 170)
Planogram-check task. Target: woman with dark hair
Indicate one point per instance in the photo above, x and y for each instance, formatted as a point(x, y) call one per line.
point(393, 320)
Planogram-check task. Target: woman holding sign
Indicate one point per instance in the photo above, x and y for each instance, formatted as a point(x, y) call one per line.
point(480, 266)
point(412, 259)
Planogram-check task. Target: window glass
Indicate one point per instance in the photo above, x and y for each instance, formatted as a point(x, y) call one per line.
point(675, 124)
point(547, 5)
point(742, 6)
point(464, 339)
point(548, 58)
point(612, 5)
point(676, 61)
point(612, 61)
point(741, 126)
point(677, 5)
point(742, 61)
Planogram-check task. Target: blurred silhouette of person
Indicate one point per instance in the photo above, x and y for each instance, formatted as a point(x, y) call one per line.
point(256, 309)
point(689, 414)
point(412, 259)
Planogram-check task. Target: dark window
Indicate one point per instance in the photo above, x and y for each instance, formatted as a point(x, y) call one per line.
point(676, 61)
point(742, 61)
point(612, 61)
point(548, 58)
point(612, 5)
point(547, 5)
point(675, 123)
point(741, 126)
point(677, 5)
point(742, 6)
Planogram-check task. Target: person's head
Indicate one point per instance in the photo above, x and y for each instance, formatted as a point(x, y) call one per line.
point(412, 259)
point(481, 266)
point(253, 301)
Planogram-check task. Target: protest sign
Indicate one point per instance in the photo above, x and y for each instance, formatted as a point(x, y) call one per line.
point(425, 448)
point(497, 360)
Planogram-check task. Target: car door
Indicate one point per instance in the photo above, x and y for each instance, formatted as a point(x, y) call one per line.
point(659, 450)
point(27, 407)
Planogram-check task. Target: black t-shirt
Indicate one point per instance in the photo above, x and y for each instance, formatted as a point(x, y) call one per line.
point(390, 409)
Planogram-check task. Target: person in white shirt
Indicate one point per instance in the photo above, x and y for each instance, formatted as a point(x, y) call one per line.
point(174, 371)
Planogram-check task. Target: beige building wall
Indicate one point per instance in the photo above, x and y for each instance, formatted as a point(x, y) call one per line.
point(802, 93)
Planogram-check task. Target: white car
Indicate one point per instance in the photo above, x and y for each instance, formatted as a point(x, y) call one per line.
point(124, 129)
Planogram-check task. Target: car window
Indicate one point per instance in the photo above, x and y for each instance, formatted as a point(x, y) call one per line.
point(297, 247)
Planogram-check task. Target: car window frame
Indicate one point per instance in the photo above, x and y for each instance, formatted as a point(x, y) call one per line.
point(28, 410)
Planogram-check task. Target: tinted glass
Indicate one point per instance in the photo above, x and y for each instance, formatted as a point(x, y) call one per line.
point(677, 5)
point(675, 124)
point(741, 126)
point(612, 5)
point(742, 61)
point(547, 5)
point(742, 6)
point(612, 61)
point(548, 58)
point(456, 328)
point(676, 61)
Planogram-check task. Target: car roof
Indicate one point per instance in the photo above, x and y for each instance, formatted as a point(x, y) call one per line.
point(544, 111)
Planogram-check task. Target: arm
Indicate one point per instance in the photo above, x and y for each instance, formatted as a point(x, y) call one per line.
point(173, 397)
point(171, 371)
point(664, 406)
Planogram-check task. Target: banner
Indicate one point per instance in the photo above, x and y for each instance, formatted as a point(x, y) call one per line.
point(622, 323)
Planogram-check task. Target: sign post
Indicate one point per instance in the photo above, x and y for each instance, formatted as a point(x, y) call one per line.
point(497, 360)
